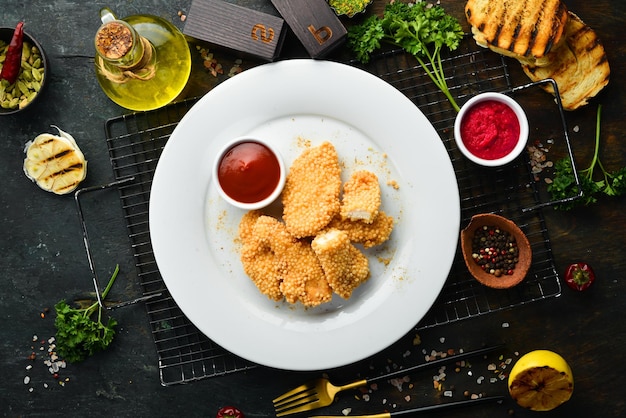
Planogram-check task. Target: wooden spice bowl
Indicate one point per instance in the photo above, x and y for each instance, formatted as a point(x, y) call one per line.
point(524, 256)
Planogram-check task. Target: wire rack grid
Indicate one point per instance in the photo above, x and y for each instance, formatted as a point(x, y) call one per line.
point(135, 142)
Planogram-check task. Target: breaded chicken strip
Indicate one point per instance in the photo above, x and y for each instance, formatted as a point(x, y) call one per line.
point(246, 224)
point(311, 194)
point(344, 265)
point(369, 235)
point(361, 197)
point(292, 267)
point(258, 260)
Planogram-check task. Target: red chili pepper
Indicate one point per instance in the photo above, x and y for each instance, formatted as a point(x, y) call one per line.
point(579, 276)
point(229, 412)
point(13, 60)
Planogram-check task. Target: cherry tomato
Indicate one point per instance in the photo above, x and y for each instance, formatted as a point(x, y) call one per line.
point(579, 276)
point(229, 412)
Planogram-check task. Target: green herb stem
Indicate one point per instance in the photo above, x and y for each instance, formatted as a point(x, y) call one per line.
point(111, 281)
point(78, 335)
point(564, 183)
point(420, 29)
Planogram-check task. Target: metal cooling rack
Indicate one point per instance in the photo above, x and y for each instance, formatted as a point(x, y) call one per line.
point(510, 191)
point(135, 142)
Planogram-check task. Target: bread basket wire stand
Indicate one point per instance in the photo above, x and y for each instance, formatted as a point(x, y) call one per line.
point(135, 142)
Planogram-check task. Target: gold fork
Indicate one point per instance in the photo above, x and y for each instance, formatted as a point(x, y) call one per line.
point(320, 392)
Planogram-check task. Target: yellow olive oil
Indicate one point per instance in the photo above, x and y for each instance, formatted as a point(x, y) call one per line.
point(173, 66)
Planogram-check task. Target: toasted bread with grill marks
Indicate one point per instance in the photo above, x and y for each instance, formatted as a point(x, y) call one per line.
point(579, 67)
point(526, 30)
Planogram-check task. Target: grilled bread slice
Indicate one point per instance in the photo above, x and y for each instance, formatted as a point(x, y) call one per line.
point(526, 30)
point(579, 67)
point(55, 163)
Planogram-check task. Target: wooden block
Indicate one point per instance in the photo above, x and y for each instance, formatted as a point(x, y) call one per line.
point(314, 23)
point(236, 27)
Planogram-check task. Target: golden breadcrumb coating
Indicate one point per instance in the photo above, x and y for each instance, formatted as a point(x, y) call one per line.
point(344, 265)
point(246, 225)
point(260, 263)
point(282, 266)
point(311, 194)
point(369, 235)
point(361, 197)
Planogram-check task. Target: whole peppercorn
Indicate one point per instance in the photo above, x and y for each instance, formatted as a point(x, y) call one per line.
point(495, 250)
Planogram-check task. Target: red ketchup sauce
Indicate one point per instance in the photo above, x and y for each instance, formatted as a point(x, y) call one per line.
point(490, 130)
point(249, 172)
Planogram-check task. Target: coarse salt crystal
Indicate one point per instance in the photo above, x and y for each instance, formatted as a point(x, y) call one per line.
point(346, 411)
point(35, 338)
point(442, 339)
point(30, 366)
point(505, 325)
point(447, 393)
point(26, 380)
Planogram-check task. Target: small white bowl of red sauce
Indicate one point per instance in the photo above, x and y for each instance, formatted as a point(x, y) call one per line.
point(491, 129)
point(249, 173)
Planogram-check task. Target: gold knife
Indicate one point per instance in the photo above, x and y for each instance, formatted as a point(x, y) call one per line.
point(440, 406)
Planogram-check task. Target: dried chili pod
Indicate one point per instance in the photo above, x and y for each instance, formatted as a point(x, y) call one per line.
point(13, 60)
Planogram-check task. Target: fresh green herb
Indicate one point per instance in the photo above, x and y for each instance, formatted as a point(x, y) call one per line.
point(419, 28)
point(564, 186)
point(79, 335)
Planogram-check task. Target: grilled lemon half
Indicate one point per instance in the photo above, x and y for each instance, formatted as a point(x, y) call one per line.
point(541, 380)
point(55, 163)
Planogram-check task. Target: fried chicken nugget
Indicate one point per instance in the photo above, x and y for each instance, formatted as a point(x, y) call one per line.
point(311, 194)
point(286, 264)
point(369, 235)
point(258, 260)
point(361, 197)
point(344, 265)
point(246, 224)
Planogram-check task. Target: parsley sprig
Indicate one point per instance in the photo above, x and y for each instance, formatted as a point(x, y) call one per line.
point(80, 335)
point(419, 28)
point(564, 186)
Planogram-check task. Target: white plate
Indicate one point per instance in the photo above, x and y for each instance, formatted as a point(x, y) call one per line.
point(374, 127)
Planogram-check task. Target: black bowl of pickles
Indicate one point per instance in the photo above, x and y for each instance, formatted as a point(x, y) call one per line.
point(22, 76)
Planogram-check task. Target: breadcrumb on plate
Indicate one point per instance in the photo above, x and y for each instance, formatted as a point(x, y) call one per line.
point(344, 265)
point(311, 194)
point(361, 197)
point(369, 235)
